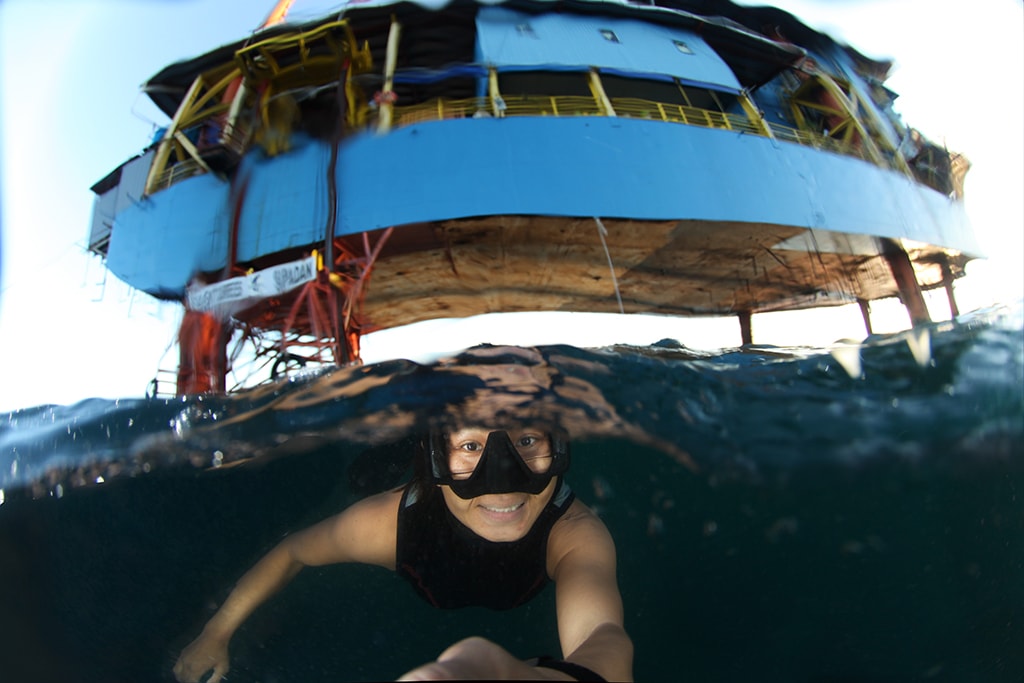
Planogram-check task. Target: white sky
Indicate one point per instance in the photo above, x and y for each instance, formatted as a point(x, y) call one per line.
point(70, 112)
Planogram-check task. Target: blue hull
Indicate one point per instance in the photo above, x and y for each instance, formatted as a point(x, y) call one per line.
point(569, 167)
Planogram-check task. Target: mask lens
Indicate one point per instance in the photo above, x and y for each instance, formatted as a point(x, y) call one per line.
point(518, 461)
point(534, 449)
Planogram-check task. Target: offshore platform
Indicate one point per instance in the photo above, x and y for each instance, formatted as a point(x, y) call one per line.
point(393, 162)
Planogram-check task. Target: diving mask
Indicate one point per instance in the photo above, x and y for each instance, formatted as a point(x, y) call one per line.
point(526, 466)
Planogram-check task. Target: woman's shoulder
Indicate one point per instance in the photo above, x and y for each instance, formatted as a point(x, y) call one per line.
point(372, 516)
point(380, 505)
point(579, 513)
point(579, 526)
point(579, 538)
point(368, 529)
point(364, 532)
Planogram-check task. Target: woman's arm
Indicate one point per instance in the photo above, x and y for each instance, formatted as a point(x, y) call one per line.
point(581, 560)
point(363, 533)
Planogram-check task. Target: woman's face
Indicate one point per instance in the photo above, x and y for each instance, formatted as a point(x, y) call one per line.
point(498, 517)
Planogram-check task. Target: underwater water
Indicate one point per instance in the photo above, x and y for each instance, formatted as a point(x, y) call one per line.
point(779, 514)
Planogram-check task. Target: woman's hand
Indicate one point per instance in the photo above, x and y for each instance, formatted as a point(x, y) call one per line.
point(203, 654)
point(480, 659)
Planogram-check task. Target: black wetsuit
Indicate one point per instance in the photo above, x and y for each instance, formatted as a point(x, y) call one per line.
point(450, 566)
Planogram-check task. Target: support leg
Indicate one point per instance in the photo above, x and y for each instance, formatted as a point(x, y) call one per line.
point(865, 312)
point(947, 282)
point(746, 333)
point(203, 342)
point(906, 282)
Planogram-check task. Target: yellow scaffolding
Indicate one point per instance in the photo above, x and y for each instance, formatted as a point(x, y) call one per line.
point(841, 108)
point(265, 71)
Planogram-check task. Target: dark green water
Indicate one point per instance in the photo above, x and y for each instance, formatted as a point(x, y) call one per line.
point(776, 519)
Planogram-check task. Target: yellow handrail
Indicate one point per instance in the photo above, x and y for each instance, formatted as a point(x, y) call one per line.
point(543, 105)
point(626, 107)
point(439, 109)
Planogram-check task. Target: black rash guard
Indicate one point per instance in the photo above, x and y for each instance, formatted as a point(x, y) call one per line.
point(451, 567)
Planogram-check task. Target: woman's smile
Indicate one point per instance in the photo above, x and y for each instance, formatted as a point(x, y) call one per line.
point(499, 517)
point(506, 508)
point(502, 511)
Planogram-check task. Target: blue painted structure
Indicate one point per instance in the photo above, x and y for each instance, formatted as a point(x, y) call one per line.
point(538, 166)
point(527, 148)
point(519, 41)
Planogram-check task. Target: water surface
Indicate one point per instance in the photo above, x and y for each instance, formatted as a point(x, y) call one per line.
point(780, 514)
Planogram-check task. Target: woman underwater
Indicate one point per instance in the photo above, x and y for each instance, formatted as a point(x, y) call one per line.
point(487, 520)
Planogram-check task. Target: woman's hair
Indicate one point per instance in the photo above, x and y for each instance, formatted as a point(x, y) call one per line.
point(387, 466)
point(422, 480)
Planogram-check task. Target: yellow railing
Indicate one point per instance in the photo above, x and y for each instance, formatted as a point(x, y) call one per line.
point(227, 144)
point(626, 107)
point(676, 113)
point(176, 173)
point(563, 106)
point(533, 105)
point(525, 105)
point(440, 109)
point(816, 140)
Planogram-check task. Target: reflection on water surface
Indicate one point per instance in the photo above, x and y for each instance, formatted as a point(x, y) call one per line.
point(775, 517)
